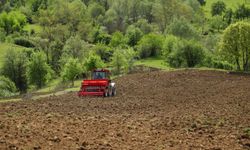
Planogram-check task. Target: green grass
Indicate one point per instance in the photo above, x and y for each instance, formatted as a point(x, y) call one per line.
point(54, 84)
point(155, 62)
point(229, 4)
point(35, 27)
point(10, 100)
point(50, 87)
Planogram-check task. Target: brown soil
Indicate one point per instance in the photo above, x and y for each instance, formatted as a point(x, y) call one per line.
point(186, 109)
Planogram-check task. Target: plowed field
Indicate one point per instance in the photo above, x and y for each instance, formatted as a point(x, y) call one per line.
point(187, 109)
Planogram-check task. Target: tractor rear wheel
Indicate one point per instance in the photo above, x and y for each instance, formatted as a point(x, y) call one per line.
point(110, 93)
point(105, 94)
point(113, 92)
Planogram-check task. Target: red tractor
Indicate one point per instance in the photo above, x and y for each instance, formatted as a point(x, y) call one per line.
point(99, 85)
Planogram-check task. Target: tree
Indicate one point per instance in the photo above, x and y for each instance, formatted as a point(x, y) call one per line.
point(121, 9)
point(144, 26)
point(242, 12)
point(75, 47)
point(95, 10)
point(133, 35)
point(235, 44)
point(104, 51)
point(218, 8)
point(170, 44)
point(164, 11)
point(187, 54)
point(93, 62)
point(71, 70)
point(228, 17)
point(130, 55)
point(117, 40)
point(12, 21)
point(134, 9)
point(150, 45)
point(119, 62)
point(15, 67)
point(39, 72)
point(182, 28)
point(111, 21)
point(194, 4)
point(146, 10)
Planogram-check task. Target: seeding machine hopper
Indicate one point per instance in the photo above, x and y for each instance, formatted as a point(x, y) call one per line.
point(99, 85)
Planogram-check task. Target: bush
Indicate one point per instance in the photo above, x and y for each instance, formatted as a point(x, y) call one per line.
point(39, 72)
point(150, 45)
point(123, 60)
point(169, 45)
point(187, 54)
point(221, 65)
point(71, 70)
point(218, 23)
point(218, 8)
point(7, 87)
point(212, 61)
point(119, 62)
point(15, 67)
point(23, 42)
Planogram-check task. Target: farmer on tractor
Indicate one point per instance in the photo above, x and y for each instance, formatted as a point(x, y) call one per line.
point(99, 85)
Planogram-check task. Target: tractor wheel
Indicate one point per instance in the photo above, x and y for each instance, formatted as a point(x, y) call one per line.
point(105, 94)
point(110, 92)
point(114, 92)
